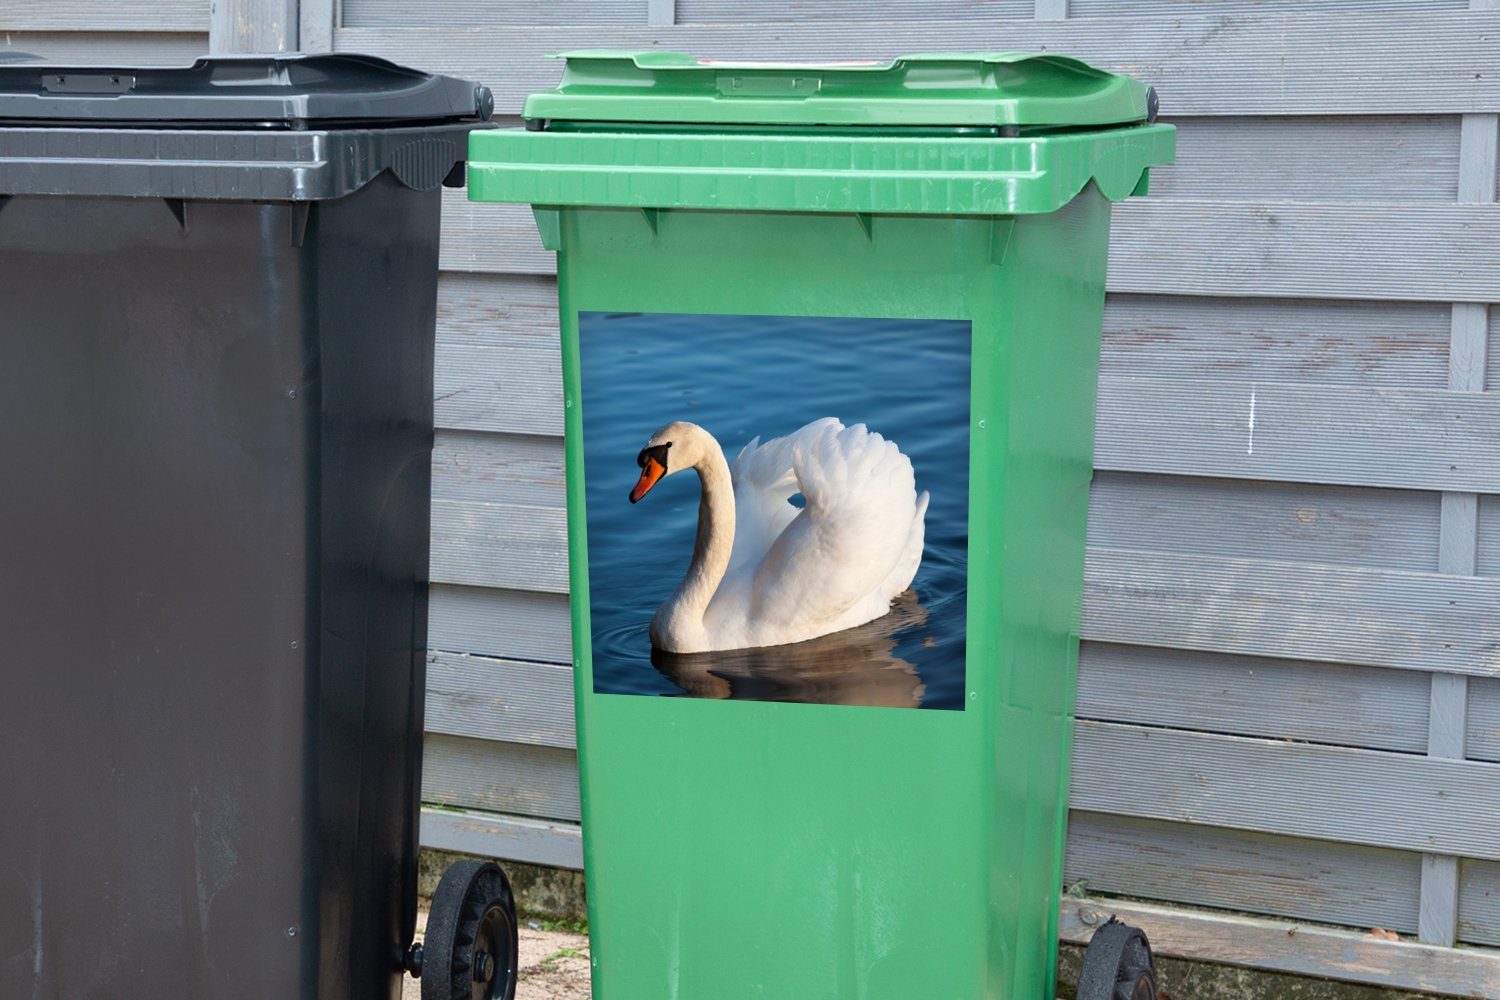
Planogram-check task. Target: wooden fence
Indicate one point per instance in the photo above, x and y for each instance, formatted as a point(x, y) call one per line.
point(1290, 683)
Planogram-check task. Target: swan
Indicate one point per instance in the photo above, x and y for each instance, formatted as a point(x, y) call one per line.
point(765, 572)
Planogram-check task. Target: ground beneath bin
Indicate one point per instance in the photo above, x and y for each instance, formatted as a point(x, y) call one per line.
point(554, 965)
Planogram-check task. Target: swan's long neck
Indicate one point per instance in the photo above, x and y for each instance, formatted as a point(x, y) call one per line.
point(715, 540)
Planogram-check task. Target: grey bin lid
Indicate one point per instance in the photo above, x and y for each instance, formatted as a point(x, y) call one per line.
point(253, 128)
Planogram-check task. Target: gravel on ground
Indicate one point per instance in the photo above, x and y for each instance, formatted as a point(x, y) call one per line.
point(554, 964)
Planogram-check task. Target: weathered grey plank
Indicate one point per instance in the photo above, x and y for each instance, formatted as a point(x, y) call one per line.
point(1186, 246)
point(316, 22)
point(1275, 520)
point(1414, 621)
point(1384, 63)
point(809, 11)
point(506, 700)
point(1338, 525)
point(501, 623)
point(1487, 545)
point(1324, 703)
point(1253, 872)
point(427, 13)
point(661, 12)
point(1254, 696)
point(536, 781)
point(1479, 903)
point(1314, 702)
point(488, 545)
point(1401, 158)
point(92, 16)
point(1470, 345)
point(1396, 529)
point(1357, 436)
point(1492, 355)
point(1458, 536)
point(516, 388)
point(1446, 716)
point(1351, 526)
point(1203, 246)
point(499, 368)
point(498, 360)
point(1480, 145)
point(115, 48)
point(1438, 920)
point(498, 468)
point(253, 26)
point(1458, 542)
point(1156, 8)
point(1367, 797)
point(513, 838)
point(1386, 344)
point(1257, 607)
point(1437, 916)
point(1331, 793)
point(495, 310)
point(493, 238)
point(1286, 946)
point(1482, 731)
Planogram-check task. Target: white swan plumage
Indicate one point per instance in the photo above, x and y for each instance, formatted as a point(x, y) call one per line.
point(765, 572)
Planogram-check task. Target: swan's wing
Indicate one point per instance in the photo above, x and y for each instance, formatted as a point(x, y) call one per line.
point(848, 541)
point(905, 569)
point(768, 467)
point(764, 482)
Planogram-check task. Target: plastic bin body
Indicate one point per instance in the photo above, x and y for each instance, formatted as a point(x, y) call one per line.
point(216, 423)
point(757, 849)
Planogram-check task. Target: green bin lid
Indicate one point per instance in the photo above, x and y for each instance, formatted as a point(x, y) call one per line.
point(990, 134)
point(943, 89)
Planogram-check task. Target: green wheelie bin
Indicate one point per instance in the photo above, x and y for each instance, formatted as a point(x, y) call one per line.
point(825, 685)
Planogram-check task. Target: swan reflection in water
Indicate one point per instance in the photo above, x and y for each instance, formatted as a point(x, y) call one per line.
point(857, 666)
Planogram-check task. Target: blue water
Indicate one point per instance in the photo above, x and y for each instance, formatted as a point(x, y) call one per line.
point(742, 376)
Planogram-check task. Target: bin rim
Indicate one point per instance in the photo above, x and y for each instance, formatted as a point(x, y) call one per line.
point(897, 174)
point(671, 59)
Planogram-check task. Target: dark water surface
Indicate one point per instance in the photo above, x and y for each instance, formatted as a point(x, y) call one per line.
point(742, 376)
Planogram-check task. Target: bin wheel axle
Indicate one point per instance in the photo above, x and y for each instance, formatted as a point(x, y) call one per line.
point(1117, 965)
point(471, 946)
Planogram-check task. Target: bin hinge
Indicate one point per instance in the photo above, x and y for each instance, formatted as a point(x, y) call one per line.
point(867, 223)
point(178, 208)
point(1142, 186)
point(301, 214)
point(1000, 233)
point(653, 221)
point(549, 225)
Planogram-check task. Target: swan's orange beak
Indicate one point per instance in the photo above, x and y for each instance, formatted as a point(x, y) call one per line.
point(651, 473)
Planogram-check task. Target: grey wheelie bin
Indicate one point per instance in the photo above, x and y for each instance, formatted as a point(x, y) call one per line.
point(217, 305)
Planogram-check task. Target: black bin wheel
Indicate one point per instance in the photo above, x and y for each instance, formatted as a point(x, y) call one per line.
point(470, 949)
point(1117, 965)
